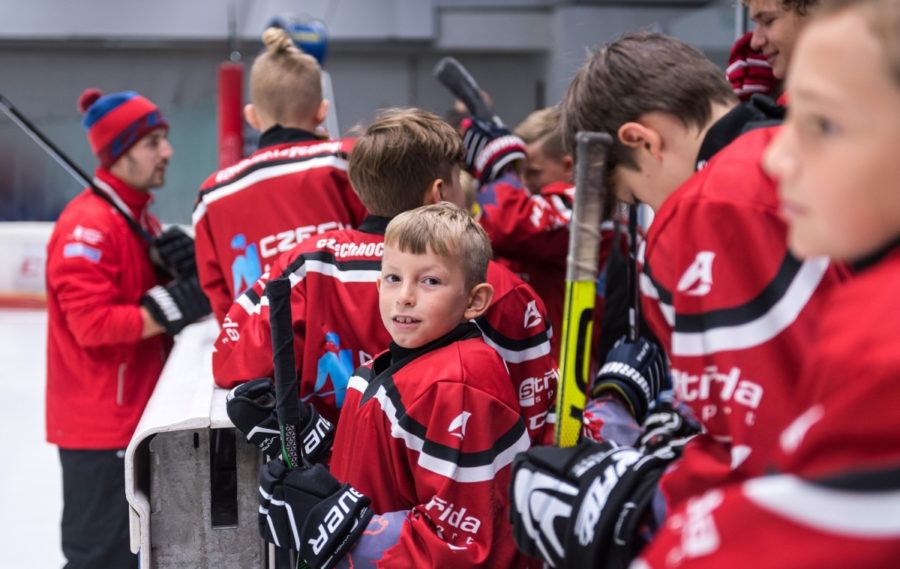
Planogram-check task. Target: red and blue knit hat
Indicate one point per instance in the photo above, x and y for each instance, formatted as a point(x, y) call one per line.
point(115, 122)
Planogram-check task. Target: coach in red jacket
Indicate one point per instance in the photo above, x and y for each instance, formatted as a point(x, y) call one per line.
point(107, 310)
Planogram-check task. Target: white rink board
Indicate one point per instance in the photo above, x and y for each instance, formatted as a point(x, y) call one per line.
point(30, 478)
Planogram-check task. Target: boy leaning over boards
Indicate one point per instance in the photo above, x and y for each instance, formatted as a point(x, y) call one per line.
point(406, 158)
point(428, 429)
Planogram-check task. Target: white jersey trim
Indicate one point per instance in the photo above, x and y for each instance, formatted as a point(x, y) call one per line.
point(448, 469)
point(260, 175)
point(782, 314)
point(857, 514)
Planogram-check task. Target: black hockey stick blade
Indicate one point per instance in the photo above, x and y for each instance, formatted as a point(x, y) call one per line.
point(460, 82)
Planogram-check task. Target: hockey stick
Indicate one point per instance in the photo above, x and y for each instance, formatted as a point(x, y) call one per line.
point(287, 409)
point(581, 284)
point(68, 165)
point(460, 82)
point(278, 292)
point(634, 287)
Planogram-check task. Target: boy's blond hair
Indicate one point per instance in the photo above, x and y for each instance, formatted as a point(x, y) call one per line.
point(543, 126)
point(445, 230)
point(398, 158)
point(285, 83)
point(882, 17)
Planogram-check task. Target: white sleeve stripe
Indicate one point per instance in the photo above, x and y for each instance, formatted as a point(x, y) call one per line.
point(518, 356)
point(762, 329)
point(446, 468)
point(857, 514)
point(263, 174)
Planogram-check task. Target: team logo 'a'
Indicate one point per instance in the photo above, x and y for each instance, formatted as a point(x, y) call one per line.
point(697, 280)
point(532, 315)
point(457, 426)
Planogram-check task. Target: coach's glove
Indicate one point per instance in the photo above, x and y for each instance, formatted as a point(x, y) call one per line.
point(667, 429)
point(251, 407)
point(634, 370)
point(309, 511)
point(177, 304)
point(748, 70)
point(582, 506)
point(490, 147)
point(174, 251)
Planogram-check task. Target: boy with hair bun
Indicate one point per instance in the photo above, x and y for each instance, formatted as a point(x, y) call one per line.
point(294, 186)
point(430, 426)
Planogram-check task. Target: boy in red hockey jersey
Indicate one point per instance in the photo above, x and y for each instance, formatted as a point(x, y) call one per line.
point(834, 499)
point(405, 159)
point(430, 426)
point(293, 187)
point(733, 308)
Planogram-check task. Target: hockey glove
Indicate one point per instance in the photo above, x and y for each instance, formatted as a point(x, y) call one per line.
point(634, 370)
point(309, 511)
point(251, 407)
point(749, 71)
point(173, 250)
point(490, 147)
point(582, 506)
point(177, 304)
point(667, 429)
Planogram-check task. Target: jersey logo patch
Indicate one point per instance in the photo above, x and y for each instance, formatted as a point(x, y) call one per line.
point(532, 316)
point(81, 250)
point(86, 234)
point(245, 268)
point(459, 424)
point(697, 280)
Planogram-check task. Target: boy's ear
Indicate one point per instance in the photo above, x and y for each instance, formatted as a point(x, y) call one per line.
point(434, 193)
point(378, 283)
point(641, 137)
point(250, 116)
point(479, 300)
point(322, 112)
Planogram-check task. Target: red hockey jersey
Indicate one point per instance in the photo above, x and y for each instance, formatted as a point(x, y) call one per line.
point(530, 233)
point(734, 310)
point(293, 187)
point(433, 432)
point(837, 502)
point(337, 325)
point(100, 373)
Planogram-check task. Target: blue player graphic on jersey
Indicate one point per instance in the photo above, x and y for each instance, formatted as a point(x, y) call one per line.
point(336, 364)
point(246, 267)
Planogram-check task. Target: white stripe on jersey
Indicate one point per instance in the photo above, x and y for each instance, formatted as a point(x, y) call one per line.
point(312, 266)
point(264, 174)
point(649, 290)
point(519, 356)
point(779, 317)
point(448, 469)
point(858, 514)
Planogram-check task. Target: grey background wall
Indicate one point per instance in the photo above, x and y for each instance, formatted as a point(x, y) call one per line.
point(381, 54)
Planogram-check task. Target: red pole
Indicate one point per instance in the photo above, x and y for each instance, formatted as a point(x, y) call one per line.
point(231, 127)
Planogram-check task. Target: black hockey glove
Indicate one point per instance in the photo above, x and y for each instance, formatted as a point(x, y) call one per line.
point(490, 147)
point(582, 506)
point(309, 511)
point(634, 370)
point(251, 407)
point(174, 251)
point(177, 304)
point(667, 429)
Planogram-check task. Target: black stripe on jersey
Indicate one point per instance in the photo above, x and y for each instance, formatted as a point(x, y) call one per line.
point(665, 296)
point(328, 258)
point(508, 343)
point(880, 480)
point(443, 452)
point(747, 312)
point(262, 165)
